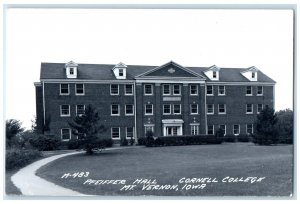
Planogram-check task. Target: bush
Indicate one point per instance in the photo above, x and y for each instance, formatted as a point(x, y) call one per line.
point(124, 142)
point(243, 138)
point(17, 158)
point(45, 142)
point(99, 143)
point(229, 138)
point(73, 144)
point(180, 140)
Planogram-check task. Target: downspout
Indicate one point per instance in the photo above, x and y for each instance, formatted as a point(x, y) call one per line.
point(44, 109)
point(135, 127)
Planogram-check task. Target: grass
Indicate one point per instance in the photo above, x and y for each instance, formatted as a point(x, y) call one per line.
point(168, 164)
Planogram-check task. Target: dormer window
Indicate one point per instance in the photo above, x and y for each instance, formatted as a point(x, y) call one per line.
point(213, 73)
point(71, 70)
point(253, 75)
point(250, 73)
point(120, 71)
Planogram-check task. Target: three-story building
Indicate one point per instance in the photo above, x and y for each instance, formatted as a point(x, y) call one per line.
point(168, 100)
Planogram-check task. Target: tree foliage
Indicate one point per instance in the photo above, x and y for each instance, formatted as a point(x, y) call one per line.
point(285, 125)
point(266, 131)
point(87, 127)
point(13, 128)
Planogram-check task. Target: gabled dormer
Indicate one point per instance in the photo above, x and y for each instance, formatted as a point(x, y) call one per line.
point(71, 70)
point(213, 73)
point(250, 73)
point(120, 71)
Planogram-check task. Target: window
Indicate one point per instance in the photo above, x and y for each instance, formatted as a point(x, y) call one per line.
point(221, 91)
point(64, 89)
point(149, 129)
point(80, 109)
point(214, 74)
point(149, 109)
point(210, 129)
point(71, 71)
point(259, 108)
point(166, 89)
point(223, 128)
point(193, 90)
point(222, 108)
point(259, 90)
point(176, 89)
point(115, 133)
point(79, 89)
point(209, 91)
point(176, 109)
point(115, 109)
point(249, 91)
point(236, 129)
point(129, 132)
point(148, 89)
point(194, 129)
point(253, 75)
point(114, 89)
point(194, 109)
point(210, 109)
point(129, 109)
point(128, 89)
point(167, 109)
point(249, 108)
point(66, 134)
point(121, 72)
point(65, 110)
point(249, 128)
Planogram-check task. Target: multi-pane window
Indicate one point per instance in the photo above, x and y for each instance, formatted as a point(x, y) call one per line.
point(222, 108)
point(259, 108)
point(249, 90)
point(249, 108)
point(64, 89)
point(65, 110)
point(210, 108)
point(193, 90)
point(129, 109)
point(149, 129)
point(236, 129)
point(259, 90)
point(210, 129)
point(115, 109)
point(166, 89)
point(221, 90)
point(176, 89)
point(71, 71)
point(79, 89)
point(223, 128)
point(121, 72)
point(65, 134)
point(209, 90)
point(176, 109)
point(249, 128)
point(167, 109)
point(194, 129)
point(114, 89)
point(253, 75)
point(149, 109)
point(194, 108)
point(115, 133)
point(128, 89)
point(148, 89)
point(129, 132)
point(80, 109)
point(214, 74)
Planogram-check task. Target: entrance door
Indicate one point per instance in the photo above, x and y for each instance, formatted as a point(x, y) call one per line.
point(172, 131)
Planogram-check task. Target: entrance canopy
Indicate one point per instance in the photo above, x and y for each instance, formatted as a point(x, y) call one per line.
point(172, 121)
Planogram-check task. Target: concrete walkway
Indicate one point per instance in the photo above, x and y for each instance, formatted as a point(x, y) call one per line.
point(30, 184)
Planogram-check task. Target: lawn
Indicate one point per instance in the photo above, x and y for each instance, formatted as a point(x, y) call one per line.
point(166, 166)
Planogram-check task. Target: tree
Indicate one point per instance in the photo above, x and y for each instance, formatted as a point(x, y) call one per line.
point(266, 132)
point(13, 128)
point(86, 127)
point(284, 125)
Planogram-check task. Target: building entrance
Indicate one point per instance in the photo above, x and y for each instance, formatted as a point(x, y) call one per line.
point(172, 127)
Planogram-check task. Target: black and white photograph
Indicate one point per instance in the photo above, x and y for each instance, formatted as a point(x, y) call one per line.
point(149, 101)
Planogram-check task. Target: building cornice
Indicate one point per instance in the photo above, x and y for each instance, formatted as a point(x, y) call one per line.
point(241, 83)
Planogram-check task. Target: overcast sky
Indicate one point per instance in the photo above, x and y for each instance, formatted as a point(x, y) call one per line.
point(226, 38)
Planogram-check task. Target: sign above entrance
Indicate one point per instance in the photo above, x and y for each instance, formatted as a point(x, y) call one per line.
point(169, 98)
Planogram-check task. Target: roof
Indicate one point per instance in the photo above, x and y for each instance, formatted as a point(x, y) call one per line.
point(105, 72)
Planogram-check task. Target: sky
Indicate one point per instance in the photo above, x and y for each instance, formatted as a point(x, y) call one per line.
point(192, 37)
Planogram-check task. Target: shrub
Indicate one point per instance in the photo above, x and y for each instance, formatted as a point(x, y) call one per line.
point(142, 141)
point(17, 158)
point(124, 142)
point(243, 138)
point(73, 144)
point(149, 141)
point(229, 138)
point(98, 143)
point(45, 142)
